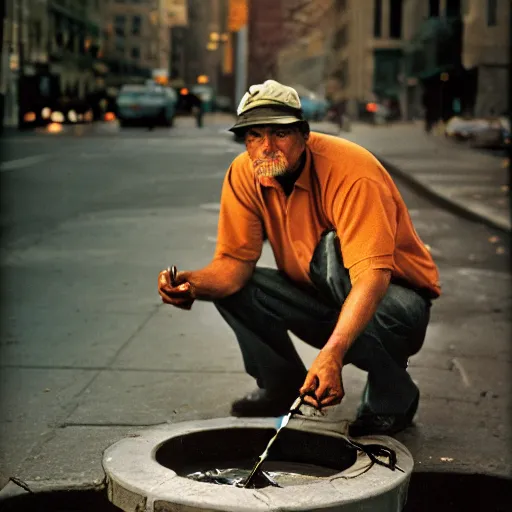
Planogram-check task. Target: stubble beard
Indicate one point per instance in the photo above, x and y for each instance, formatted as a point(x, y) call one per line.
point(271, 166)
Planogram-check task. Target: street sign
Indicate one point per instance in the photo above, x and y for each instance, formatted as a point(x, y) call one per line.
point(237, 15)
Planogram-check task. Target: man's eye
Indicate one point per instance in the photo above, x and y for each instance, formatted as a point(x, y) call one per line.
point(282, 134)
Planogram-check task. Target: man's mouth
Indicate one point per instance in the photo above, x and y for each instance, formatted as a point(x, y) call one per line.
point(270, 167)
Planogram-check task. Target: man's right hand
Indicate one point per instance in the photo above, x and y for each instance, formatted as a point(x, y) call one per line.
point(181, 296)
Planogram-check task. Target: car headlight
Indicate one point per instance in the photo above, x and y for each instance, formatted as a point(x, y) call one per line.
point(29, 117)
point(72, 116)
point(57, 117)
point(54, 127)
point(46, 113)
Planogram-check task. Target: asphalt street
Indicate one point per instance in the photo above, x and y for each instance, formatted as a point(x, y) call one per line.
point(89, 353)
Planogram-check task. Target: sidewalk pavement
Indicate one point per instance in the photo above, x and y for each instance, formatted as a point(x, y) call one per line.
point(117, 362)
point(471, 182)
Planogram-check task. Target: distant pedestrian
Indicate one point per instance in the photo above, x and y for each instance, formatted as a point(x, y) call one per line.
point(197, 108)
point(353, 279)
point(429, 110)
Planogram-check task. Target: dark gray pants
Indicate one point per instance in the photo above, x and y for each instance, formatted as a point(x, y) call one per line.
point(270, 304)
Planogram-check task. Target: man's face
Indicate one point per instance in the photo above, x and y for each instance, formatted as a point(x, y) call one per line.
point(274, 150)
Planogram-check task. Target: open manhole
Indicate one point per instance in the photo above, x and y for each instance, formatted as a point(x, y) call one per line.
point(296, 458)
point(313, 469)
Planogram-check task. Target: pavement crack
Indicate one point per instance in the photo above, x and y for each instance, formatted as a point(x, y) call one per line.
point(456, 364)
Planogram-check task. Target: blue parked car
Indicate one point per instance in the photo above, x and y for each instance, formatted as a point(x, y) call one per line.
point(314, 106)
point(146, 104)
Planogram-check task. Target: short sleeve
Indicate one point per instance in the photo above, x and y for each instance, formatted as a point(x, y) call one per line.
point(366, 224)
point(240, 231)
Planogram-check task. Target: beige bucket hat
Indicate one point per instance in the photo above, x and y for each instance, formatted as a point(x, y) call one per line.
point(268, 103)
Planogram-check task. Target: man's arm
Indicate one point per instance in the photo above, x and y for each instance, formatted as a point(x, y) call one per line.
point(324, 376)
point(221, 278)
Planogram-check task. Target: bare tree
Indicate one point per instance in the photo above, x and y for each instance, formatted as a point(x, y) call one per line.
point(276, 24)
point(303, 17)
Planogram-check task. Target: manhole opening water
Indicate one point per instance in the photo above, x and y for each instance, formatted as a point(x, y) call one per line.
point(295, 458)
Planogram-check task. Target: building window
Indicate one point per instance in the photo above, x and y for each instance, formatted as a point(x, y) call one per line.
point(433, 9)
point(120, 45)
point(492, 7)
point(135, 52)
point(119, 24)
point(395, 19)
point(136, 23)
point(377, 19)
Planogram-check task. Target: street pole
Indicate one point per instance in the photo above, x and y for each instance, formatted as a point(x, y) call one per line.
point(241, 64)
point(510, 112)
point(4, 53)
point(21, 62)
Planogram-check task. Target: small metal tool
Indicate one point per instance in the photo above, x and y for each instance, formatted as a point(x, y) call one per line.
point(294, 409)
point(173, 271)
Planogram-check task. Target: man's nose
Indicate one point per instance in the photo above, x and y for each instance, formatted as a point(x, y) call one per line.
point(268, 144)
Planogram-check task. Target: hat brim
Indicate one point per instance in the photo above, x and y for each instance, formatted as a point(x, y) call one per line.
point(255, 121)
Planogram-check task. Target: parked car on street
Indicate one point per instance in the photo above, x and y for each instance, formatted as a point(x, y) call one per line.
point(223, 104)
point(147, 104)
point(314, 106)
point(491, 132)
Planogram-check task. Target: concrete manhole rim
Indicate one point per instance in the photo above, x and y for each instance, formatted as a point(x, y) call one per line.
point(132, 469)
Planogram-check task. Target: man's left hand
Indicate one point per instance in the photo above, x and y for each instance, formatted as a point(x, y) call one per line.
point(324, 380)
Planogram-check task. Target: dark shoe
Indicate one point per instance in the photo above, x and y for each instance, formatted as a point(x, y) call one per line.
point(367, 424)
point(261, 403)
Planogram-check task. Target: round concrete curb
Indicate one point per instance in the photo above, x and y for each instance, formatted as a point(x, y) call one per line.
point(136, 481)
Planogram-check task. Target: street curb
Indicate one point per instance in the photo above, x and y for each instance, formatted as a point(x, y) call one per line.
point(449, 203)
point(446, 202)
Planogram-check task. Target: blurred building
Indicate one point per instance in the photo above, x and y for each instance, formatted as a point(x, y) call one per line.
point(436, 85)
point(178, 25)
point(303, 58)
point(51, 49)
point(439, 57)
point(138, 39)
point(485, 51)
point(202, 44)
point(75, 33)
point(457, 59)
point(365, 61)
point(266, 37)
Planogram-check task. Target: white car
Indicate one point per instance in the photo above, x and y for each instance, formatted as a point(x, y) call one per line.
point(148, 104)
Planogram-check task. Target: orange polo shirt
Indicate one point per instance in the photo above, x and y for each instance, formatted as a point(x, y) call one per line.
point(342, 186)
